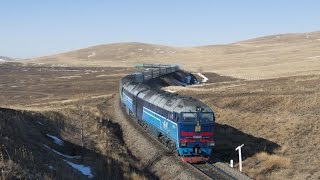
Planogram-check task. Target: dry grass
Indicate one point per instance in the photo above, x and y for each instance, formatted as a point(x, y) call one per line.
point(22, 154)
point(265, 164)
point(10, 169)
point(136, 176)
point(266, 57)
point(271, 161)
point(284, 111)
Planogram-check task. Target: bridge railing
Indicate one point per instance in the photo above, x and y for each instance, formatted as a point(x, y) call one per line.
point(153, 71)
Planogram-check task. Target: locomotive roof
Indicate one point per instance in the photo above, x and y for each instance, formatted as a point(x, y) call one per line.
point(177, 103)
point(168, 101)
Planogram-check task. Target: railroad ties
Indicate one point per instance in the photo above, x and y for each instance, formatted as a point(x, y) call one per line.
point(212, 171)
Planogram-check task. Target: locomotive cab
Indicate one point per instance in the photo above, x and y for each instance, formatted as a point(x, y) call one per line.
point(196, 135)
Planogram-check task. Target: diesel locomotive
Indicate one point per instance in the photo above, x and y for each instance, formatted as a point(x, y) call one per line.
point(184, 124)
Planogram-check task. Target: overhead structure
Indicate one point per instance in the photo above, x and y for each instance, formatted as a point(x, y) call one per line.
point(152, 71)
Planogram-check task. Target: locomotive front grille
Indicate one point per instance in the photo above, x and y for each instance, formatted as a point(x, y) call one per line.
point(197, 150)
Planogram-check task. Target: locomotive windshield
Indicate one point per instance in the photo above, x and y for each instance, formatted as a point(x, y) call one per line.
point(192, 116)
point(206, 117)
point(189, 117)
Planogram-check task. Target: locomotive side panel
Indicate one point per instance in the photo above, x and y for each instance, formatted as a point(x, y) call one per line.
point(164, 125)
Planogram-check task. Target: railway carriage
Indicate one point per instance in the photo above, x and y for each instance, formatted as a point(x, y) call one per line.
point(185, 125)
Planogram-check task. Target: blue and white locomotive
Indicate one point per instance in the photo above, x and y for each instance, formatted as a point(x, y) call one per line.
point(184, 124)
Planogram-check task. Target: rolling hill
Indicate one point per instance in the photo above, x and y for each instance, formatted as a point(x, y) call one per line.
point(5, 59)
point(260, 58)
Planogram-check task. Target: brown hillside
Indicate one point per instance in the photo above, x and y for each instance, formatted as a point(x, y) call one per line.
point(260, 58)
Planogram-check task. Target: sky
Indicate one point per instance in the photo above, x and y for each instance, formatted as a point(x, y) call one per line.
point(32, 28)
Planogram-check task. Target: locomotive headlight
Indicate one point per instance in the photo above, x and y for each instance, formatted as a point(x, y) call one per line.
point(211, 144)
point(183, 144)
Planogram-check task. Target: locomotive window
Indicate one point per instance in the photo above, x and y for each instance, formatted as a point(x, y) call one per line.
point(189, 116)
point(206, 117)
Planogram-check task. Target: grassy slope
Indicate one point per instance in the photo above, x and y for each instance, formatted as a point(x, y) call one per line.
point(277, 116)
point(265, 57)
point(61, 99)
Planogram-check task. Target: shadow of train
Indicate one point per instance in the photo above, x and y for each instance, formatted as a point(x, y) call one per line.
point(228, 138)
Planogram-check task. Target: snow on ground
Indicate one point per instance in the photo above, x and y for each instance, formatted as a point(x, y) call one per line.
point(59, 65)
point(85, 170)
point(170, 91)
point(93, 54)
point(51, 167)
point(59, 153)
point(40, 123)
point(2, 60)
point(91, 71)
point(65, 70)
point(313, 57)
point(103, 75)
point(307, 36)
point(56, 140)
point(69, 77)
point(204, 79)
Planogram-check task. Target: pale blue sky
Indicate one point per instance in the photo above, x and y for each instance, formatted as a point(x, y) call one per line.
point(30, 28)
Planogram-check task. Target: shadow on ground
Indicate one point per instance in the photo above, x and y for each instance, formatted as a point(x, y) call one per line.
point(228, 138)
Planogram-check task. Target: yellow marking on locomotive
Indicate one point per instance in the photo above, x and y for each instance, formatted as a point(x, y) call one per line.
point(197, 127)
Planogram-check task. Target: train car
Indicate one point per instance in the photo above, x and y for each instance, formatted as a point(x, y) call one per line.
point(184, 124)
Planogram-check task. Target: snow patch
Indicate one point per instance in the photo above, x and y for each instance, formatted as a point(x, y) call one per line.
point(170, 91)
point(307, 36)
point(69, 77)
point(51, 167)
point(66, 70)
point(40, 123)
point(204, 79)
point(92, 71)
point(56, 140)
point(59, 153)
point(93, 54)
point(85, 170)
point(103, 75)
point(2, 60)
point(59, 65)
point(314, 57)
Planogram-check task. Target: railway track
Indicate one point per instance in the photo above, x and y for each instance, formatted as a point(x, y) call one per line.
point(212, 171)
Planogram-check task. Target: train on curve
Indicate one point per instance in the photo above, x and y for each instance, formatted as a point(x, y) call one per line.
point(183, 124)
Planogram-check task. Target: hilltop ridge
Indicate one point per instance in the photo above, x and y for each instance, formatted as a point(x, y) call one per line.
point(259, 58)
